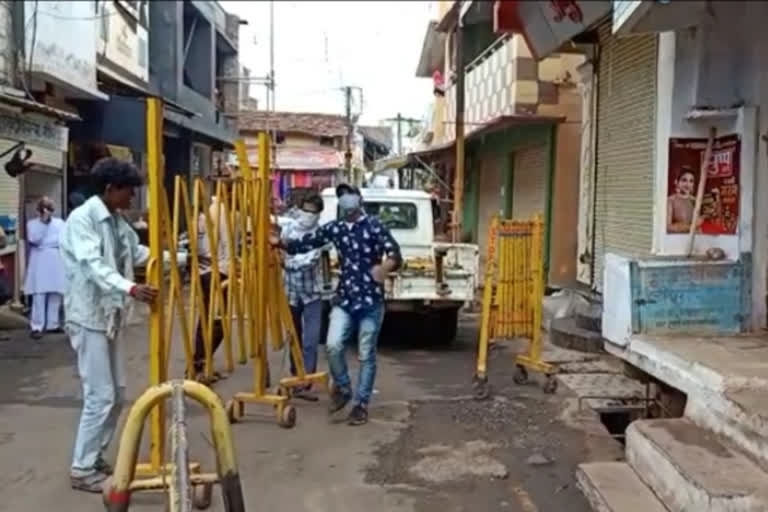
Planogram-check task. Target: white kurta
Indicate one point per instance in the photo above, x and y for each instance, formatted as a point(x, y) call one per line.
point(45, 269)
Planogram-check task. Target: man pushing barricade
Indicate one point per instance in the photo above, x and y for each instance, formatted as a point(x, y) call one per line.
point(100, 249)
point(362, 243)
point(303, 281)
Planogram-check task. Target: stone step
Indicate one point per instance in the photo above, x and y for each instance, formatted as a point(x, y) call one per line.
point(564, 333)
point(725, 381)
point(614, 487)
point(589, 316)
point(691, 469)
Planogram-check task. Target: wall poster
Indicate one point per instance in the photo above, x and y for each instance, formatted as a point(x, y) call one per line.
point(720, 207)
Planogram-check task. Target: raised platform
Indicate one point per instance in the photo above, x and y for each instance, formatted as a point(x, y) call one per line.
point(724, 378)
point(615, 487)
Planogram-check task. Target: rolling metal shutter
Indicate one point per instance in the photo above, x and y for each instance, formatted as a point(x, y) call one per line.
point(626, 114)
point(529, 182)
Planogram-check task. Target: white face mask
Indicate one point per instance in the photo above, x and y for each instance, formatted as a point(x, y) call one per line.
point(307, 220)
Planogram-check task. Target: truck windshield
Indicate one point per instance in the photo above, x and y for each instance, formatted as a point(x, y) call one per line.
point(392, 215)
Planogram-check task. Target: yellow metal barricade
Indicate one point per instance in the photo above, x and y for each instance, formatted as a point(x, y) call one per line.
point(120, 486)
point(246, 301)
point(272, 315)
point(512, 298)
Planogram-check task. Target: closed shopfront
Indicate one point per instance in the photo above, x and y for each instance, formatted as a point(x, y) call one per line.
point(529, 182)
point(626, 108)
point(489, 197)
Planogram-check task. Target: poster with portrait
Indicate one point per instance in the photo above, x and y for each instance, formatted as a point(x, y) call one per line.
point(720, 206)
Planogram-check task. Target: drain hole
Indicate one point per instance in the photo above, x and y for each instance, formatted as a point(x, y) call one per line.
point(616, 423)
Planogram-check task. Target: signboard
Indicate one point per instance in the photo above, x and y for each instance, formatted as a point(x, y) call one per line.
point(22, 129)
point(123, 38)
point(547, 25)
point(302, 159)
point(60, 40)
point(720, 207)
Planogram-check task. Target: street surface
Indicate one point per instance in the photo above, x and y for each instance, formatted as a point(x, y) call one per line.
point(428, 447)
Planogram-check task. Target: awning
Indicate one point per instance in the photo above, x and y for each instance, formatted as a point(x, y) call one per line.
point(395, 162)
point(432, 52)
point(502, 122)
point(34, 106)
point(448, 21)
point(547, 25)
point(647, 17)
point(494, 125)
point(302, 159)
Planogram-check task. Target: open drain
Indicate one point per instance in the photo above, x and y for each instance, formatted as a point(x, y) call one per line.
point(617, 422)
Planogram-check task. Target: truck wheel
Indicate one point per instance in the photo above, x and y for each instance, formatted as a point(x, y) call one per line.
point(447, 325)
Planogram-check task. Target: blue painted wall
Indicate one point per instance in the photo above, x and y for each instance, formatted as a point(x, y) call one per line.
point(694, 297)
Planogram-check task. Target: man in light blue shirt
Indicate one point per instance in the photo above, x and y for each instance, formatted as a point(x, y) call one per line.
point(100, 249)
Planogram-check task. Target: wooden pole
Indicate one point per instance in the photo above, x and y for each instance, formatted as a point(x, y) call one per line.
point(458, 185)
point(700, 191)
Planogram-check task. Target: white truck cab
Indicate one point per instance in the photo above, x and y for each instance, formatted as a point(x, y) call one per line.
point(436, 278)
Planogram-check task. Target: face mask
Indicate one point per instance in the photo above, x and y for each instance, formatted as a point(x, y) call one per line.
point(349, 203)
point(307, 220)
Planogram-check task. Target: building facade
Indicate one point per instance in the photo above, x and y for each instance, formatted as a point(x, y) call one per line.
point(71, 100)
point(522, 127)
point(308, 149)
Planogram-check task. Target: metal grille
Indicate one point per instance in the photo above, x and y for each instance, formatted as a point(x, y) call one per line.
point(529, 182)
point(626, 146)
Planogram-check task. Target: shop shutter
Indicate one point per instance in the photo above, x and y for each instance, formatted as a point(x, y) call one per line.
point(626, 114)
point(529, 182)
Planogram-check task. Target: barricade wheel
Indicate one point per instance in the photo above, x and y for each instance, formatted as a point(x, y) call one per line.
point(201, 496)
point(481, 387)
point(286, 417)
point(234, 411)
point(521, 375)
point(550, 385)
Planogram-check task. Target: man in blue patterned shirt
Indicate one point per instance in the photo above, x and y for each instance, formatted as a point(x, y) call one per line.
point(362, 243)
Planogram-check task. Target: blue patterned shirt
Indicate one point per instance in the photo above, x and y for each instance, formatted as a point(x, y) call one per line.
point(361, 246)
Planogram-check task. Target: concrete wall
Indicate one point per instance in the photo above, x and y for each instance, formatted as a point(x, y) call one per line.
point(722, 64)
point(166, 65)
point(7, 59)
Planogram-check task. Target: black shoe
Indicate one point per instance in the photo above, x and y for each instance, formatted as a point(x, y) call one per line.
point(358, 416)
point(305, 394)
point(36, 335)
point(339, 400)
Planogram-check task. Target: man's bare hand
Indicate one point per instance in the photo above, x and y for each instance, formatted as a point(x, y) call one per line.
point(274, 240)
point(144, 293)
point(378, 273)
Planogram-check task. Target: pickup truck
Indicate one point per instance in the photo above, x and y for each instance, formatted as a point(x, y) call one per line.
point(437, 278)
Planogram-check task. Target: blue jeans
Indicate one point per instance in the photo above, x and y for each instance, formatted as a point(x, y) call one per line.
point(307, 320)
point(342, 323)
point(103, 380)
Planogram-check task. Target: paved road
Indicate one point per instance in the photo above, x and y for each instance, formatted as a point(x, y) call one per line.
point(429, 446)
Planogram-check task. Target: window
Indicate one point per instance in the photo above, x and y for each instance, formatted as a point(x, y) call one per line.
point(392, 215)
point(327, 141)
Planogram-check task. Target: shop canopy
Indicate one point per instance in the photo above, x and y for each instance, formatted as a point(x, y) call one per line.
point(302, 159)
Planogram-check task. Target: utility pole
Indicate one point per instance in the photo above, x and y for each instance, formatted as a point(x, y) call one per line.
point(400, 120)
point(458, 186)
point(350, 128)
point(271, 84)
